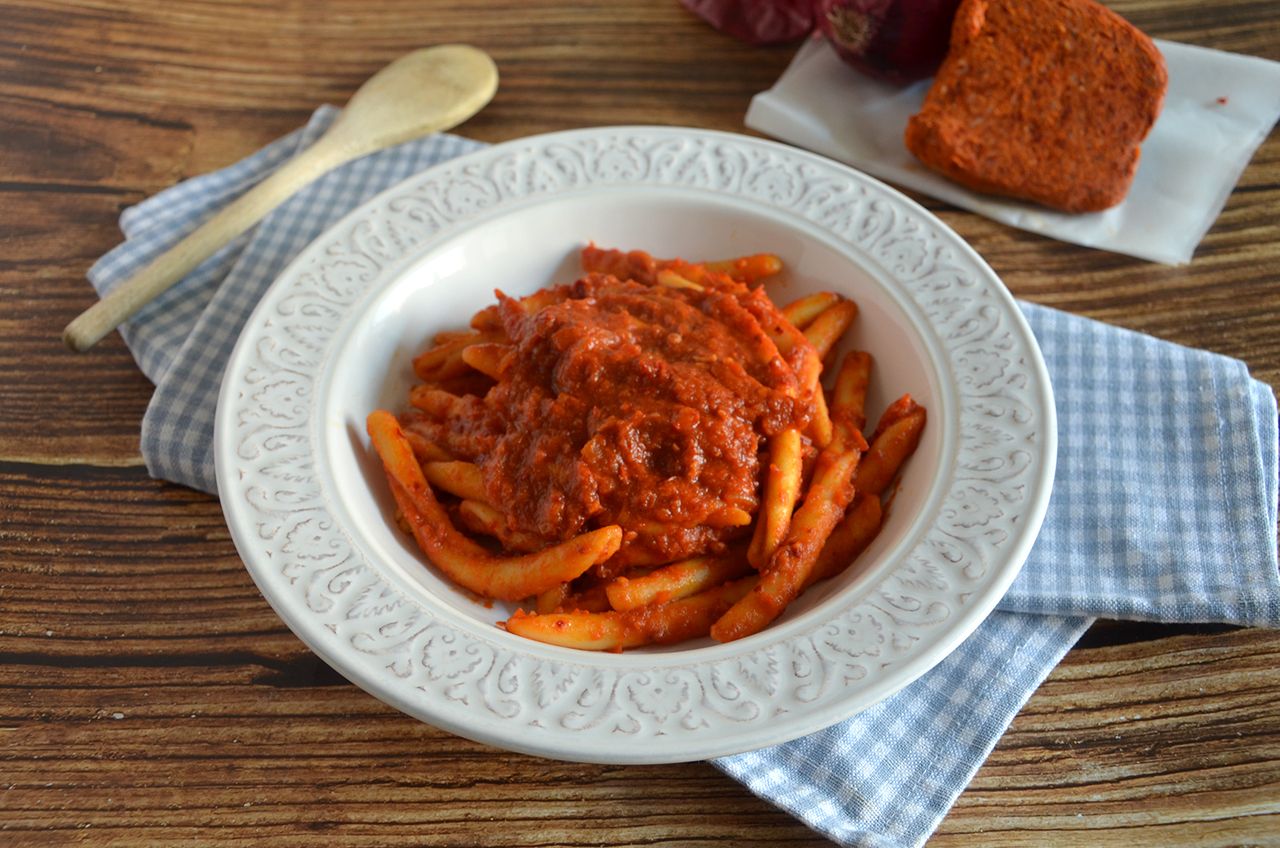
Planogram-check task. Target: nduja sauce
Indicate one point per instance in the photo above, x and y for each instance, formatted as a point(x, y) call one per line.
point(628, 404)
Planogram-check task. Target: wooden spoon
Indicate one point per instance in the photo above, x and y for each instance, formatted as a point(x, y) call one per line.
point(425, 91)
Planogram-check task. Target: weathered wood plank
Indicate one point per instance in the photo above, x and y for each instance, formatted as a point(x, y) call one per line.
point(1172, 741)
point(148, 694)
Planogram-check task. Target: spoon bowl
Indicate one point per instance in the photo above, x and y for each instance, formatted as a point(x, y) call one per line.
point(421, 92)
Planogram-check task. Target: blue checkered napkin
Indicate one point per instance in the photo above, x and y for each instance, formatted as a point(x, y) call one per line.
point(1164, 501)
point(182, 341)
point(887, 776)
point(1164, 506)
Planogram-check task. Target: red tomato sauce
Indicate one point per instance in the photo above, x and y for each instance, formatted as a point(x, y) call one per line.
point(629, 404)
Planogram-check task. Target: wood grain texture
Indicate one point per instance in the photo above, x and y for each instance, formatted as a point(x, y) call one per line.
point(148, 694)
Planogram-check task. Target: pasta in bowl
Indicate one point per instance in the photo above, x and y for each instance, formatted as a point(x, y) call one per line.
point(621, 438)
point(314, 517)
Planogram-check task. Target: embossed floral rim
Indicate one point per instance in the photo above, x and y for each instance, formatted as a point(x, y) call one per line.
point(484, 684)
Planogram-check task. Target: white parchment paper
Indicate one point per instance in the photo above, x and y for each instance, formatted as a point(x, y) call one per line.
point(1218, 109)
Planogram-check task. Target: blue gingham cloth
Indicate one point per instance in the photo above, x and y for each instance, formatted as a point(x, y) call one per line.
point(1164, 507)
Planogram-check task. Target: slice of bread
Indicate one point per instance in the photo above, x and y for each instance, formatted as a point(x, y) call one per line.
point(1043, 100)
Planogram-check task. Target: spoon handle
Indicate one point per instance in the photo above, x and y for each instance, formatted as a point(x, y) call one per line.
point(205, 240)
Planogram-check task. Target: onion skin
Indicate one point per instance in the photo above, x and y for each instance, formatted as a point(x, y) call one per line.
point(899, 41)
point(757, 21)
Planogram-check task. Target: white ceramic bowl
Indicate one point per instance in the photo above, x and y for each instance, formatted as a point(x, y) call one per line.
point(308, 507)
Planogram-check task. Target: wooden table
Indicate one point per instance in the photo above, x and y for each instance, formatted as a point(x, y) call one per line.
point(148, 694)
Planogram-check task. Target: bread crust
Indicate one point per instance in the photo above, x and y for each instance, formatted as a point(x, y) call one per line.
point(1042, 100)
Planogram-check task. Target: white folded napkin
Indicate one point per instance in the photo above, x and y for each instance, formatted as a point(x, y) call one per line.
point(1218, 109)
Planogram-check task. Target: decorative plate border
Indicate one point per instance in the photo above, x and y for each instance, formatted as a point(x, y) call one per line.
point(649, 707)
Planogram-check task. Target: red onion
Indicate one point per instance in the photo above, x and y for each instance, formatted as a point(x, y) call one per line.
point(895, 40)
point(756, 21)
